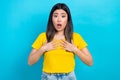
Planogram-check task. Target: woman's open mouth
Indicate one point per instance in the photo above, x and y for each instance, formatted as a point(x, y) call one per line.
point(59, 26)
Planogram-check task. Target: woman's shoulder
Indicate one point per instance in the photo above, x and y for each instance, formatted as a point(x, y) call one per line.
point(75, 34)
point(43, 34)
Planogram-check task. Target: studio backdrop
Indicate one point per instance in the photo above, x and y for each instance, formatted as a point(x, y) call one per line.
point(98, 22)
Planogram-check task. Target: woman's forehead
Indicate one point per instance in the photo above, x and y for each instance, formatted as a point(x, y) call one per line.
point(59, 11)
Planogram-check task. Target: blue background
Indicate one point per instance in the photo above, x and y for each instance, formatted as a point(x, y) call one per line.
point(98, 21)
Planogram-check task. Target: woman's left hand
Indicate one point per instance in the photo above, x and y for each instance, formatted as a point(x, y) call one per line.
point(68, 46)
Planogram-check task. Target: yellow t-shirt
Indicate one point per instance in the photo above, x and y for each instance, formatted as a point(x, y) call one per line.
point(59, 60)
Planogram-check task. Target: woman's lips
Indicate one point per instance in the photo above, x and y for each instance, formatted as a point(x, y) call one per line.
point(59, 26)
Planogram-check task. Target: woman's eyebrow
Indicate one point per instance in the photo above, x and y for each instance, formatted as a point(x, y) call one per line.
point(60, 13)
point(55, 13)
point(63, 13)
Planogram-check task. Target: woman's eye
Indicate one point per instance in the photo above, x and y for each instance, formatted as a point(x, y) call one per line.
point(63, 16)
point(55, 15)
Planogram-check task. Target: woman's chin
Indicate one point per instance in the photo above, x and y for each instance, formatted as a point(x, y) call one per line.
point(59, 30)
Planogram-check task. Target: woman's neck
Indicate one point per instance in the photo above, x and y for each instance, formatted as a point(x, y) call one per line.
point(59, 35)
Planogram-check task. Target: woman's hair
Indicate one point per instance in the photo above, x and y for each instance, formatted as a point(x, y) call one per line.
point(68, 31)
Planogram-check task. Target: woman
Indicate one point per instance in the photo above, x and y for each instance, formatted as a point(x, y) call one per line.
point(59, 44)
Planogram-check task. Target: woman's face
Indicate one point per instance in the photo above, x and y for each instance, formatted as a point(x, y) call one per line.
point(59, 19)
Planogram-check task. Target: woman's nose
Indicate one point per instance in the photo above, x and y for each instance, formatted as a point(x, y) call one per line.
point(59, 19)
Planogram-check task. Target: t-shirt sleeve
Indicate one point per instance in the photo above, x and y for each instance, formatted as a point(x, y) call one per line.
point(81, 43)
point(39, 41)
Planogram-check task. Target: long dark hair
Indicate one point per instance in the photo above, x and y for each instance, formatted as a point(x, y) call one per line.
point(68, 31)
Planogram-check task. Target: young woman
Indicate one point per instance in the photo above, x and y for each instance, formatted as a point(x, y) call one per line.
point(59, 45)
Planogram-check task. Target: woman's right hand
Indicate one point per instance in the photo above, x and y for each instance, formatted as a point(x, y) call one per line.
point(36, 54)
point(49, 46)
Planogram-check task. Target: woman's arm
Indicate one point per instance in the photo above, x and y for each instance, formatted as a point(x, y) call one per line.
point(83, 54)
point(35, 55)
